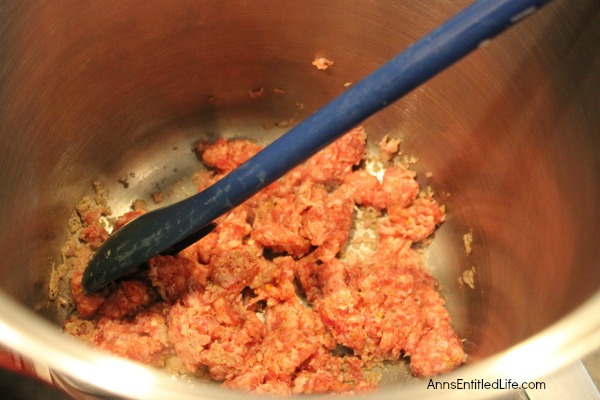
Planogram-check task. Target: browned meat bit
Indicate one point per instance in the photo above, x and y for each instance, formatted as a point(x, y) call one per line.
point(158, 197)
point(389, 147)
point(81, 328)
point(91, 213)
point(93, 233)
point(256, 93)
point(322, 63)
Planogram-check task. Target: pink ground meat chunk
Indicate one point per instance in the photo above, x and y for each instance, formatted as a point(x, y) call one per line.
point(278, 224)
point(293, 330)
point(323, 373)
point(392, 310)
point(125, 218)
point(228, 235)
point(335, 161)
point(127, 299)
point(174, 276)
point(214, 329)
point(262, 300)
point(401, 186)
point(275, 281)
point(310, 217)
point(367, 190)
point(225, 155)
point(94, 235)
point(143, 339)
point(234, 270)
point(415, 222)
point(85, 305)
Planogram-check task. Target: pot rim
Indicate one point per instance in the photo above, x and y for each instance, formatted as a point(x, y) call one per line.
point(86, 369)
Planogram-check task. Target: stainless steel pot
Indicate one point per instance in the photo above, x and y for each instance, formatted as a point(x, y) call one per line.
point(117, 90)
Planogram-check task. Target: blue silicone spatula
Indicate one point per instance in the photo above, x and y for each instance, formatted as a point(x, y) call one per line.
point(175, 226)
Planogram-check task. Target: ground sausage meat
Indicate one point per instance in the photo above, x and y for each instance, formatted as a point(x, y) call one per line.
point(263, 301)
point(142, 338)
point(213, 328)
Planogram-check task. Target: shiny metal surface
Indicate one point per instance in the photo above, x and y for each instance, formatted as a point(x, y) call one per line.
point(120, 90)
point(563, 383)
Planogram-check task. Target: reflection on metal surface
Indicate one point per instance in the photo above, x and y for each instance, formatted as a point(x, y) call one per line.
point(568, 382)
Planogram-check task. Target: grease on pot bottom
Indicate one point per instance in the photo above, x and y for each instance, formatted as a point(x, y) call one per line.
point(309, 286)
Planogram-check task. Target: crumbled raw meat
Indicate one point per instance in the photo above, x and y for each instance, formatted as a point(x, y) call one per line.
point(86, 305)
point(278, 223)
point(401, 186)
point(439, 351)
point(228, 235)
point(129, 298)
point(324, 373)
point(335, 161)
point(389, 147)
point(226, 155)
point(389, 310)
point(293, 334)
point(415, 222)
point(322, 63)
point(262, 301)
point(309, 217)
point(173, 276)
point(204, 179)
point(367, 190)
point(142, 339)
point(125, 218)
point(214, 329)
point(328, 219)
point(234, 270)
point(274, 282)
point(94, 235)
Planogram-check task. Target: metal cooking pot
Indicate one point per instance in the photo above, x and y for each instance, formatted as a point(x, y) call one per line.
point(117, 91)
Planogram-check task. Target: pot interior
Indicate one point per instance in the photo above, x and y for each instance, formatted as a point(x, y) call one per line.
point(507, 138)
